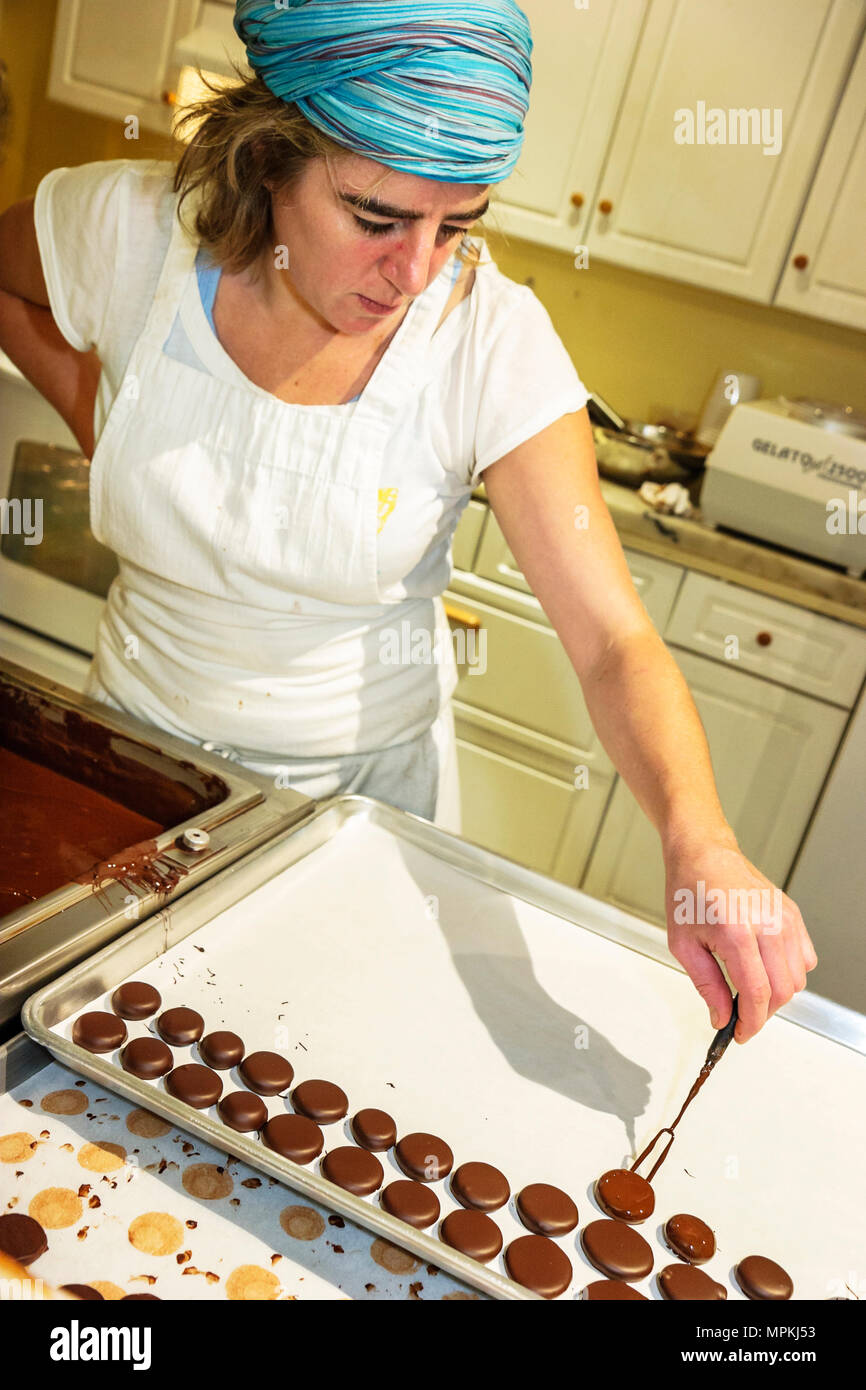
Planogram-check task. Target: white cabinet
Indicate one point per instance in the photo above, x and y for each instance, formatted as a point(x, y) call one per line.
point(714, 212)
point(580, 60)
point(769, 638)
point(825, 273)
point(519, 797)
point(116, 60)
point(770, 748)
point(534, 778)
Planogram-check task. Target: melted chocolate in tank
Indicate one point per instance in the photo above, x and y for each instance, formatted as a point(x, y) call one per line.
point(55, 831)
point(81, 802)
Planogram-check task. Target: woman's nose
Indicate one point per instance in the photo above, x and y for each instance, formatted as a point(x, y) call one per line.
point(408, 265)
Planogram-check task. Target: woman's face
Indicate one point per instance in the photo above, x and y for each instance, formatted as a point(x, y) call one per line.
point(359, 263)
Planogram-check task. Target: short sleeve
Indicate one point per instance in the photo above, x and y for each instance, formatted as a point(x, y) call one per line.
point(77, 213)
point(528, 380)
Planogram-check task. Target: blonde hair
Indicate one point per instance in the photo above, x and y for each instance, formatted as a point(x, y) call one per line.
point(239, 138)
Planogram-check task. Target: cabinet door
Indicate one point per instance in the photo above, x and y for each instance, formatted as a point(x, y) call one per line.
point(580, 60)
point(518, 796)
point(116, 60)
point(770, 748)
point(825, 273)
point(721, 214)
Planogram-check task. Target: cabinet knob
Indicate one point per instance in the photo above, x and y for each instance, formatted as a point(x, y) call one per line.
point(800, 262)
point(169, 98)
point(605, 206)
point(764, 639)
point(577, 200)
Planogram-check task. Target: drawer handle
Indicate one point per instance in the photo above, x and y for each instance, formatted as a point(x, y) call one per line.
point(764, 639)
point(462, 615)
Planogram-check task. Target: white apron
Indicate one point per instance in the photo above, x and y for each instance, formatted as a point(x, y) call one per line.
point(246, 615)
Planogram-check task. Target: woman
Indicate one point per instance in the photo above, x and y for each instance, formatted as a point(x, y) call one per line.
point(290, 402)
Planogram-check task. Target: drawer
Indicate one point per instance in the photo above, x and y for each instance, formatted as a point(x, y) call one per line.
point(468, 533)
point(518, 797)
point(655, 580)
point(520, 671)
point(802, 650)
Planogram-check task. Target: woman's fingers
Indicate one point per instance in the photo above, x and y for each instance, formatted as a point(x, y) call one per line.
point(774, 953)
point(703, 970)
point(748, 973)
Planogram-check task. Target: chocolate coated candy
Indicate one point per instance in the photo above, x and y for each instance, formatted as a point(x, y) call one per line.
point(99, 1032)
point(625, 1195)
point(424, 1157)
point(22, 1237)
point(266, 1073)
point(480, 1186)
point(321, 1101)
point(295, 1137)
point(538, 1264)
point(180, 1027)
point(760, 1278)
point(195, 1085)
point(546, 1210)
point(616, 1249)
point(136, 1000)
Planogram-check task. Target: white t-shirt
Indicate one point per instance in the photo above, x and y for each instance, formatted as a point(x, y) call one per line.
point(498, 374)
point(103, 229)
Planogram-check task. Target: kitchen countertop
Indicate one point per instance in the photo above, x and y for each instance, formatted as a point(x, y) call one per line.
point(764, 568)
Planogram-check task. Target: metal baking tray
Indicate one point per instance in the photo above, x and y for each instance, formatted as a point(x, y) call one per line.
point(245, 1233)
point(172, 781)
point(530, 1025)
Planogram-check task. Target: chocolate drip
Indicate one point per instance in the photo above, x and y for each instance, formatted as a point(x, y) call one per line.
point(669, 1129)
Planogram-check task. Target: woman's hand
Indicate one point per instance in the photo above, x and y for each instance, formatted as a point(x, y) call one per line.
point(719, 904)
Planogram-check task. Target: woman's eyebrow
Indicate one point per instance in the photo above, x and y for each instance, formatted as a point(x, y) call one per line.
point(380, 209)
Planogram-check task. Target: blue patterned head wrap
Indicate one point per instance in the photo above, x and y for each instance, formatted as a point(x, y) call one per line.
point(429, 87)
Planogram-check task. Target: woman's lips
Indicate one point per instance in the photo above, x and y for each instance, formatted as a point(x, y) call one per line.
point(373, 306)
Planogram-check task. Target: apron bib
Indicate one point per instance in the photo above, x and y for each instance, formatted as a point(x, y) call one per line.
point(247, 610)
point(224, 489)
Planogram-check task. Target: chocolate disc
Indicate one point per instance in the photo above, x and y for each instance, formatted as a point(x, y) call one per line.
point(135, 999)
point(762, 1278)
point(148, 1058)
point(82, 1291)
point(295, 1137)
point(321, 1101)
point(221, 1050)
point(690, 1238)
point(243, 1111)
point(356, 1170)
point(472, 1233)
point(99, 1032)
point(424, 1157)
point(687, 1283)
point(546, 1210)
point(374, 1130)
point(538, 1264)
point(195, 1085)
point(411, 1202)
point(22, 1237)
point(612, 1291)
point(180, 1026)
point(480, 1186)
point(624, 1195)
point(616, 1249)
point(266, 1073)
point(140, 1298)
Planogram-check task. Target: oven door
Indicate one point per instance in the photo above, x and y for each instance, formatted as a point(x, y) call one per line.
point(53, 575)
